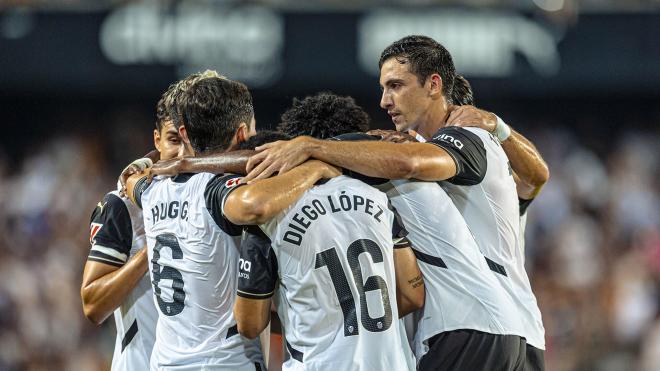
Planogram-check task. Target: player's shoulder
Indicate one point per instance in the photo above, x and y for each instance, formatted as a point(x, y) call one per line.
point(111, 204)
point(111, 230)
point(461, 136)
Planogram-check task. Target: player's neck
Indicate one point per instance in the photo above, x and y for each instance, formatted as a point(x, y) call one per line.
point(434, 119)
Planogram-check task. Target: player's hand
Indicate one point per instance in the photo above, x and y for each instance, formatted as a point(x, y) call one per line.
point(393, 136)
point(326, 170)
point(280, 156)
point(169, 167)
point(471, 116)
point(134, 167)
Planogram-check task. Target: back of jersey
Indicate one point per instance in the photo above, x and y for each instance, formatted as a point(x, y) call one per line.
point(194, 257)
point(337, 295)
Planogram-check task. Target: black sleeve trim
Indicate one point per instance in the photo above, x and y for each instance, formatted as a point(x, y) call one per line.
point(257, 271)
point(402, 243)
point(139, 189)
point(217, 190)
point(92, 259)
point(468, 152)
point(524, 204)
point(399, 231)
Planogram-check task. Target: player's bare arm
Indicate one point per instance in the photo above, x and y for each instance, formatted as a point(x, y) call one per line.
point(377, 159)
point(410, 293)
point(259, 201)
point(105, 287)
point(252, 315)
point(526, 161)
point(230, 162)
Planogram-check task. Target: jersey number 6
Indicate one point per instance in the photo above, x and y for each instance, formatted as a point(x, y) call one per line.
point(179, 296)
point(330, 259)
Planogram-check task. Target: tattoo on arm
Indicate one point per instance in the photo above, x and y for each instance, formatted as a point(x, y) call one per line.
point(416, 282)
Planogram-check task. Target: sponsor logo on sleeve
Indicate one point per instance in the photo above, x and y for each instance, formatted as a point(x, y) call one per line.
point(93, 230)
point(451, 140)
point(244, 267)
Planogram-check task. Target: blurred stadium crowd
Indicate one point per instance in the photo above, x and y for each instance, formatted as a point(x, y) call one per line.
point(593, 250)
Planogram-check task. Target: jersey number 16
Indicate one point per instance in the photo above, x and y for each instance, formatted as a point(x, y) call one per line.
point(329, 258)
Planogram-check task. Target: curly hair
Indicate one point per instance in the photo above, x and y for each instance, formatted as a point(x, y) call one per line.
point(324, 115)
point(425, 57)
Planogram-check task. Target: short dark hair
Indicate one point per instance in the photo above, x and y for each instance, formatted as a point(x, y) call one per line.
point(425, 57)
point(324, 115)
point(212, 109)
point(261, 138)
point(162, 113)
point(462, 93)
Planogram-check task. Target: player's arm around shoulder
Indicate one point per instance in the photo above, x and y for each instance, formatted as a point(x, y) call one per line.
point(109, 276)
point(371, 158)
point(261, 200)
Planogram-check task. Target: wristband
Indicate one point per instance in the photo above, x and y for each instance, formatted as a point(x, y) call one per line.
point(502, 130)
point(143, 163)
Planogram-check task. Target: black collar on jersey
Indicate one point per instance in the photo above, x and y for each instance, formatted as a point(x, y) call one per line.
point(182, 178)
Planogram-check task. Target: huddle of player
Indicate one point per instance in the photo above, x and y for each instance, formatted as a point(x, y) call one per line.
point(391, 251)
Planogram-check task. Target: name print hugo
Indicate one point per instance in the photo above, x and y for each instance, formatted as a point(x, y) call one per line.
point(171, 210)
point(310, 212)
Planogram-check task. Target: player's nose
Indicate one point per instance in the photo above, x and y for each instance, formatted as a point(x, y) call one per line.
point(386, 101)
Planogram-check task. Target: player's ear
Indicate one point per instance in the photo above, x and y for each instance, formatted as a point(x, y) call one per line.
point(186, 148)
point(435, 85)
point(243, 133)
point(183, 134)
point(157, 139)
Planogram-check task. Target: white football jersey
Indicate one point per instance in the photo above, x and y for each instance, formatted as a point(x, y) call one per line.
point(332, 255)
point(116, 234)
point(461, 291)
point(491, 210)
point(193, 253)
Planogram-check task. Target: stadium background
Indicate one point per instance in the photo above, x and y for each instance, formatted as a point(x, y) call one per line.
point(79, 80)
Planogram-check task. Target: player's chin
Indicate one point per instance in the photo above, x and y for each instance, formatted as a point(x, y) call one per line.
point(400, 124)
